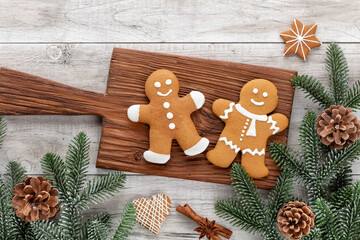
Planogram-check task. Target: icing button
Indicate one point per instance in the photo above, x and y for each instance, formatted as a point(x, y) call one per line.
point(243, 131)
point(166, 105)
point(240, 139)
point(247, 120)
point(172, 125)
point(246, 123)
point(242, 135)
point(169, 115)
point(245, 127)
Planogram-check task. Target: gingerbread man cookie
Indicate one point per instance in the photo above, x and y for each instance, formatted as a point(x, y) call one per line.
point(247, 127)
point(169, 117)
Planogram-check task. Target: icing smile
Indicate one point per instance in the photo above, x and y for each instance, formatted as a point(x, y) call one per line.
point(256, 103)
point(164, 94)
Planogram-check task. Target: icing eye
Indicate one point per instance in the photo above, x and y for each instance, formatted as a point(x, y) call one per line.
point(265, 94)
point(157, 84)
point(168, 82)
point(255, 90)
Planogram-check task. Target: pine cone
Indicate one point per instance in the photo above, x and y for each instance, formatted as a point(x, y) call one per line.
point(295, 219)
point(338, 127)
point(34, 199)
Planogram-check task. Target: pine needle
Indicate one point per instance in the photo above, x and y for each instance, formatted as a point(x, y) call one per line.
point(127, 222)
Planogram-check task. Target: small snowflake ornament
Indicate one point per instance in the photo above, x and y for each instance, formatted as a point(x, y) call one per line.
point(300, 39)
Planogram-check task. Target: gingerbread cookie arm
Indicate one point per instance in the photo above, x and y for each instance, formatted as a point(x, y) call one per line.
point(140, 113)
point(278, 121)
point(222, 108)
point(194, 100)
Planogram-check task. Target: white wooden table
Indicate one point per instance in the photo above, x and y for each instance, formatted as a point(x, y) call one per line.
point(71, 41)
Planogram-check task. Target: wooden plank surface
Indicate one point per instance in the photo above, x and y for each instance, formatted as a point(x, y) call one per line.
point(173, 21)
point(123, 142)
point(251, 29)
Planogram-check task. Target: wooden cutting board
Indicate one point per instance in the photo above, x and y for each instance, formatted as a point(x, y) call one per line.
point(123, 142)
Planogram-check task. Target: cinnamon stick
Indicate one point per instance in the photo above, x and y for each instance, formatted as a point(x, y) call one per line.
point(190, 213)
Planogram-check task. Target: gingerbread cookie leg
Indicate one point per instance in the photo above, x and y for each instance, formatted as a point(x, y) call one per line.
point(254, 163)
point(191, 142)
point(160, 147)
point(224, 153)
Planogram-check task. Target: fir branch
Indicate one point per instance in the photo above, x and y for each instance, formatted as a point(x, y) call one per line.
point(287, 159)
point(314, 90)
point(15, 174)
point(310, 143)
point(352, 99)
point(103, 218)
point(326, 219)
point(349, 221)
point(336, 160)
point(127, 222)
point(341, 179)
point(314, 234)
point(55, 171)
point(338, 70)
point(3, 129)
point(247, 193)
point(70, 221)
point(47, 230)
point(341, 198)
point(77, 162)
point(281, 194)
point(97, 230)
point(234, 212)
point(100, 188)
point(5, 212)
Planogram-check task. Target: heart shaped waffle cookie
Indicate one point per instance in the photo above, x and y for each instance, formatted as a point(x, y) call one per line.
point(151, 213)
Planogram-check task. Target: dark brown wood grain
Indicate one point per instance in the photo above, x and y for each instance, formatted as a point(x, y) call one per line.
point(122, 141)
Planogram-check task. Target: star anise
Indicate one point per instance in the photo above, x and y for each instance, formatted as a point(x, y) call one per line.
point(207, 229)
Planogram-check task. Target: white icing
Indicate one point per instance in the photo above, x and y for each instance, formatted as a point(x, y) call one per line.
point(157, 158)
point(133, 113)
point(242, 135)
point(248, 150)
point(265, 94)
point(256, 103)
point(152, 213)
point(240, 139)
point(243, 131)
point(164, 94)
point(198, 148)
point(230, 144)
point(253, 117)
point(227, 111)
point(157, 84)
point(166, 105)
point(247, 122)
point(168, 82)
point(198, 98)
point(255, 90)
point(169, 115)
point(172, 125)
point(245, 127)
point(273, 125)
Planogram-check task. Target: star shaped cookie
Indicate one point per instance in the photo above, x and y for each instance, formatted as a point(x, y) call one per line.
point(300, 39)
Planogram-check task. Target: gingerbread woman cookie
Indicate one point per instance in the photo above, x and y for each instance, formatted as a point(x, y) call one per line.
point(169, 117)
point(247, 127)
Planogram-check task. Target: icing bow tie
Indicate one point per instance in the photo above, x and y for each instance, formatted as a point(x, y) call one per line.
point(254, 117)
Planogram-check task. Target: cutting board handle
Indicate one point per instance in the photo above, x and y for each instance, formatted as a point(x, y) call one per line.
point(22, 93)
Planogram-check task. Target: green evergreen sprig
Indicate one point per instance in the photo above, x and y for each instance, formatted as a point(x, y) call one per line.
point(75, 195)
point(69, 178)
point(248, 211)
point(339, 92)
